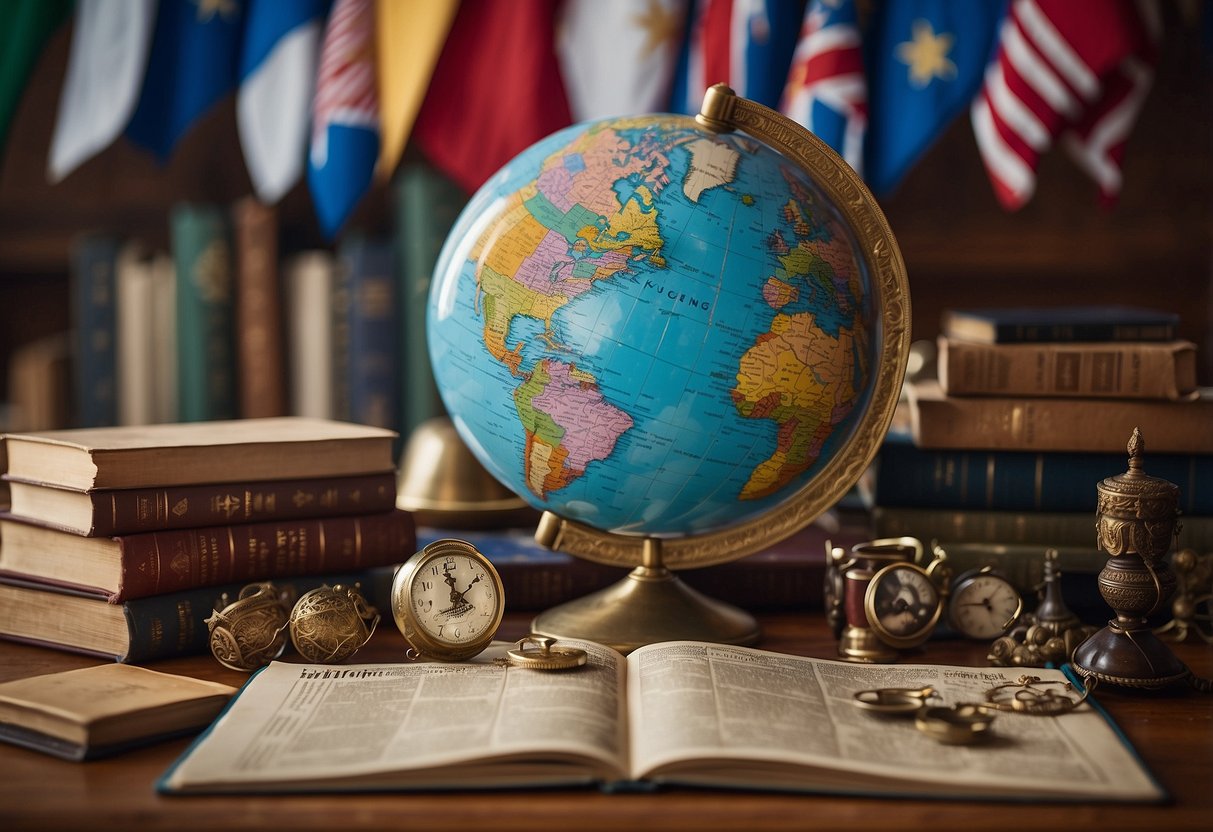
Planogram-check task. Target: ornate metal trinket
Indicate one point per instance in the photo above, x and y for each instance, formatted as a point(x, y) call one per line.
point(330, 624)
point(250, 631)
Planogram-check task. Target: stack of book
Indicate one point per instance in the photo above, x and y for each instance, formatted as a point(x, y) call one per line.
point(1032, 408)
point(120, 541)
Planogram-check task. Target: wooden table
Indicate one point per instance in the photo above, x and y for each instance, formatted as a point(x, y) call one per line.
point(1173, 732)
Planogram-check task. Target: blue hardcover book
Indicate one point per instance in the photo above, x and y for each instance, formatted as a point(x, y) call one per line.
point(94, 260)
point(1023, 481)
point(1060, 323)
point(366, 354)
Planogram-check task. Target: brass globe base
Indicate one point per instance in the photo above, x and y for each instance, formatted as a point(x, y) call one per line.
point(444, 485)
point(860, 644)
point(648, 606)
point(1132, 658)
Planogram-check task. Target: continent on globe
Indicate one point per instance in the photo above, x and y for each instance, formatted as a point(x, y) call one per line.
point(568, 424)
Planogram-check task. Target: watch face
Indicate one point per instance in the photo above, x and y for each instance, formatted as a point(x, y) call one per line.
point(447, 600)
point(984, 606)
point(902, 605)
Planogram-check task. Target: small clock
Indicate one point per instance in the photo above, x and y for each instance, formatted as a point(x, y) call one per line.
point(902, 605)
point(448, 601)
point(983, 604)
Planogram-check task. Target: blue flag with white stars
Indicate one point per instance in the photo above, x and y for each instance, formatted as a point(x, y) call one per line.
point(926, 60)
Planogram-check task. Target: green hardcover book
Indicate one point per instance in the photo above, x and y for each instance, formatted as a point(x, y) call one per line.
point(427, 205)
point(206, 363)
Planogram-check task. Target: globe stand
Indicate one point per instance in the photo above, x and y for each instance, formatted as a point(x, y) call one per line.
point(651, 604)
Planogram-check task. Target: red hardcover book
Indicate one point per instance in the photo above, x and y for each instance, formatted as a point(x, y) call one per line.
point(142, 565)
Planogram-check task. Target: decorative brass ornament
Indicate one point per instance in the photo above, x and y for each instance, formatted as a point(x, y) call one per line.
point(1192, 608)
point(249, 632)
point(1136, 524)
point(330, 624)
point(651, 604)
point(1047, 636)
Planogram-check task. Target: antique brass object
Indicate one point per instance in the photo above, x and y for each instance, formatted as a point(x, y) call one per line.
point(652, 604)
point(1136, 523)
point(1047, 636)
point(444, 485)
point(1028, 695)
point(545, 655)
point(250, 631)
point(330, 624)
point(955, 725)
point(1192, 608)
point(893, 700)
point(448, 601)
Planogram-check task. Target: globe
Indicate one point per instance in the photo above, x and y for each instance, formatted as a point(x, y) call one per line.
point(658, 330)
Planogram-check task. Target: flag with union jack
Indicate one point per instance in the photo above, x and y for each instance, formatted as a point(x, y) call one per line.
point(1079, 70)
point(827, 91)
point(746, 44)
point(345, 114)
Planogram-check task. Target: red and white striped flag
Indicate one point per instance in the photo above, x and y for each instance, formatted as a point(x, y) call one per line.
point(1079, 69)
point(827, 91)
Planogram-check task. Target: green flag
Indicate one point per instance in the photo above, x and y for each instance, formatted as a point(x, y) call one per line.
point(25, 26)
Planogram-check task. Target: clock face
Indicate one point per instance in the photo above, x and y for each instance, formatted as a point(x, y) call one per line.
point(453, 598)
point(902, 605)
point(984, 606)
point(447, 600)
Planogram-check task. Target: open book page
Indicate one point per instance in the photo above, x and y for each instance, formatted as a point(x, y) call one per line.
point(413, 725)
point(722, 715)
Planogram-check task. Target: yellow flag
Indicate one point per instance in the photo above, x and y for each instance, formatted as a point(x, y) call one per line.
point(409, 35)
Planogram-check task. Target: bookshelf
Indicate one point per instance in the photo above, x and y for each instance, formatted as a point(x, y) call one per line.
point(960, 247)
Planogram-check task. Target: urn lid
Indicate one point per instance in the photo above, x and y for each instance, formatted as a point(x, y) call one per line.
point(1135, 494)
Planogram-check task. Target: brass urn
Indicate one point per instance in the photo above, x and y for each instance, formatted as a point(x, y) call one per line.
point(1136, 520)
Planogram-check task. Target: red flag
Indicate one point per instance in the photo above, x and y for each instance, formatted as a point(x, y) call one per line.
point(495, 90)
point(1080, 70)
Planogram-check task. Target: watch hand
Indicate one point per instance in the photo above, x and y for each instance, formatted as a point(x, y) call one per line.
point(474, 580)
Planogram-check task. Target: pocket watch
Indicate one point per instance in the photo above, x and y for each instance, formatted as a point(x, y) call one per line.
point(902, 605)
point(983, 604)
point(448, 601)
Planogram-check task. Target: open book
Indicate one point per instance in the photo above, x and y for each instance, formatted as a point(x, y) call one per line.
point(676, 712)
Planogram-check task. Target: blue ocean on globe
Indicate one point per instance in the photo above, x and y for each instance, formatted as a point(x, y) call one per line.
point(651, 328)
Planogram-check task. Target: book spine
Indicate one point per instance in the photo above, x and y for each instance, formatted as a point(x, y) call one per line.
point(158, 562)
point(94, 321)
point(1061, 424)
point(366, 376)
point(1014, 527)
point(135, 316)
point(1008, 333)
point(259, 349)
point(1016, 481)
point(427, 205)
point(174, 624)
point(137, 510)
point(309, 293)
point(206, 366)
point(1131, 369)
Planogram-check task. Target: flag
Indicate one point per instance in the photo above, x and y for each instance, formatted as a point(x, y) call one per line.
point(618, 58)
point(925, 63)
point(110, 43)
point(496, 89)
point(25, 26)
point(1078, 70)
point(747, 44)
point(826, 90)
point(277, 84)
point(193, 64)
point(409, 35)
point(345, 114)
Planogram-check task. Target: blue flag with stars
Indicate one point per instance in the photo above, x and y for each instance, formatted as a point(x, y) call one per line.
point(926, 60)
point(194, 62)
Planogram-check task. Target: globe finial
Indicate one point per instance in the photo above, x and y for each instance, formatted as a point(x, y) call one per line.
point(716, 112)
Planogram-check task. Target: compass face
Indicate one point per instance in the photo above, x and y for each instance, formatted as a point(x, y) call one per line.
point(984, 606)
